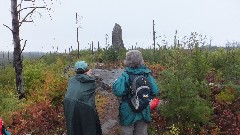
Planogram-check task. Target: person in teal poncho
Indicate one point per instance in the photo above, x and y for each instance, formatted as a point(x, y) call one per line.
point(79, 103)
point(133, 123)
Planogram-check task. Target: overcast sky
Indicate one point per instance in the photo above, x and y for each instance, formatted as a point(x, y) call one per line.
point(219, 19)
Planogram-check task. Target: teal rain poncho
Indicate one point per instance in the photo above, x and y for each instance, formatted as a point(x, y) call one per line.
point(79, 106)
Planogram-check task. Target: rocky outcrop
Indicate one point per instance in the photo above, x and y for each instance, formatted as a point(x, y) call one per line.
point(117, 41)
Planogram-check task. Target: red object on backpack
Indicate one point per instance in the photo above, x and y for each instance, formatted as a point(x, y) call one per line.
point(1, 124)
point(154, 103)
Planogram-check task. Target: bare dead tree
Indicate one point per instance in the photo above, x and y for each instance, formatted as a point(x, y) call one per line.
point(77, 36)
point(17, 21)
point(154, 37)
point(78, 25)
point(92, 48)
point(106, 38)
point(8, 57)
point(98, 46)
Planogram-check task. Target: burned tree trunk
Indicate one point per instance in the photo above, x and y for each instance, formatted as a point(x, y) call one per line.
point(17, 59)
point(154, 37)
point(16, 9)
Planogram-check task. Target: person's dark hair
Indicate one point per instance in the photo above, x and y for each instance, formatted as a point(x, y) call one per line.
point(81, 71)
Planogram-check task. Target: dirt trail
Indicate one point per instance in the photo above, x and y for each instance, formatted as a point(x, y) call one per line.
point(109, 119)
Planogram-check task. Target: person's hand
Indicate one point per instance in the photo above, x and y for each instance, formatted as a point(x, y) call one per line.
point(89, 72)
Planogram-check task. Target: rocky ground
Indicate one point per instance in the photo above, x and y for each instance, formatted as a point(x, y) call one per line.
point(109, 112)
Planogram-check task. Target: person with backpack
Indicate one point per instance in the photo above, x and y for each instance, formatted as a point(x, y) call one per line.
point(79, 103)
point(136, 87)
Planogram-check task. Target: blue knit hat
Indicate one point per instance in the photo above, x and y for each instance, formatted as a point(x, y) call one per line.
point(81, 64)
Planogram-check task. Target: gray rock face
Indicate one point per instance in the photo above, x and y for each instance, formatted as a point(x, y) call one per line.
point(117, 36)
point(105, 78)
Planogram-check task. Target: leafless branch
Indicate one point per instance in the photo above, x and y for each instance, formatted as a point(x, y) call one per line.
point(25, 42)
point(39, 13)
point(8, 27)
point(28, 21)
point(20, 4)
point(29, 8)
point(24, 19)
point(29, 13)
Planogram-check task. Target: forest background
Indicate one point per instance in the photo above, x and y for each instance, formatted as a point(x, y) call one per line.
point(200, 87)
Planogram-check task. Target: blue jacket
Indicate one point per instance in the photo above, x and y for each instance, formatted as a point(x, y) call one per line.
point(120, 89)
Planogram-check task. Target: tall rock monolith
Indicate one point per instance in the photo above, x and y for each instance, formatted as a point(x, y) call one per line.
point(117, 41)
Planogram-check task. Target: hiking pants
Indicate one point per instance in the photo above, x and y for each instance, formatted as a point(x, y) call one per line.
point(138, 128)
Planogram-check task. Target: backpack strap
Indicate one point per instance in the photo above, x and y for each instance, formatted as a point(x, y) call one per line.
point(130, 74)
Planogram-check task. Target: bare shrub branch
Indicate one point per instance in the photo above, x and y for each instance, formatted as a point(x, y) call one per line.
point(8, 27)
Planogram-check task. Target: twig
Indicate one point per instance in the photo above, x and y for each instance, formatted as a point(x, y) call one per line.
point(8, 27)
point(41, 57)
point(25, 42)
point(20, 4)
point(24, 19)
point(28, 21)
point(22, 50)
point(29, 8)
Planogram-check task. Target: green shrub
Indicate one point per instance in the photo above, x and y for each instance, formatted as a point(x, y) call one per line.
point(227, 62)
point(32, 73)
point(7, 76)
point(8, 97)
point(225, 96)
point(184, 88)
point(184, 105)
point(112, 55)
